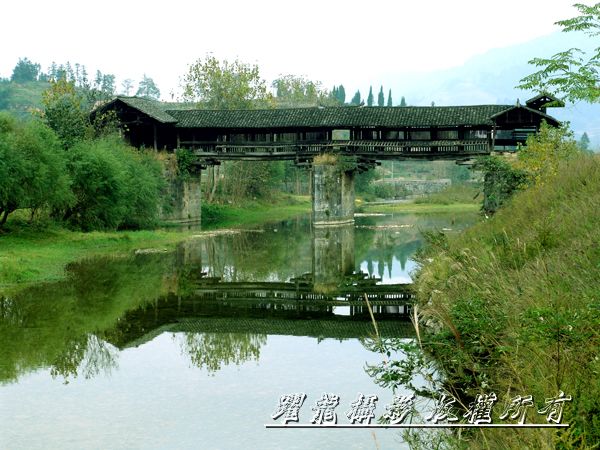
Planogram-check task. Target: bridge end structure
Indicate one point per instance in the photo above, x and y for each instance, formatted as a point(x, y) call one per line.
point(183, 200)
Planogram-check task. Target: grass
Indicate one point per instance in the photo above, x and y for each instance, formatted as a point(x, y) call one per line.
point(513, 306)
point(29, 254)
point(454, 194)
point(419, 208)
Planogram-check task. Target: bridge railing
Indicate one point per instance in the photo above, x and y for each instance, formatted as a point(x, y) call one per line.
point(264, 150)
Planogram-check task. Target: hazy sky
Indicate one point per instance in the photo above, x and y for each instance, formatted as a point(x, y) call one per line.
point(335, 42)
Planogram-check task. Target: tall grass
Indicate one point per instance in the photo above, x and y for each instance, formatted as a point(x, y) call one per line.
point(456, 193)
point(513, 306)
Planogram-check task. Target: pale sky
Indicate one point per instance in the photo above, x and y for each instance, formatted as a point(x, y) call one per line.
point(334, 42)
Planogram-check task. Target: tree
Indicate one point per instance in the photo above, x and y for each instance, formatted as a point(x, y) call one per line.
point(219, 84)
point(64, 111)
point(389, 100)
point(341, 94)
point(292, 90)
point(32, 168)
point(584, 142)
point(570, 74)
point(544, 151)
point(370, 98)
point(115, 186)
point(356, 100)
point(381, 97)
point(148, 89)
point(403, 101)
point(127, 86)
point(25, 71)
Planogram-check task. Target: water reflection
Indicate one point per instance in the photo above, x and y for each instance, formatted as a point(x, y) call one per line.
point(285, 305)
point(287, 279)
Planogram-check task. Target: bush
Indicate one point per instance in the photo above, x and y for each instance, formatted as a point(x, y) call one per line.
point(32, 168)
point(115, 186)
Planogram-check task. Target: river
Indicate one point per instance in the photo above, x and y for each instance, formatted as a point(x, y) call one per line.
point(193, 349)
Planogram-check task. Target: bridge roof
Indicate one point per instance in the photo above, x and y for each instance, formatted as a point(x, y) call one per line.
point(185, 115)
point(410, 116)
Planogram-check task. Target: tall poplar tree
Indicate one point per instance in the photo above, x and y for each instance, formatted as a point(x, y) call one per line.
point(380, 98)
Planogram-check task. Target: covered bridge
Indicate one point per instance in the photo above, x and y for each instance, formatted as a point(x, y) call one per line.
point(432, 132)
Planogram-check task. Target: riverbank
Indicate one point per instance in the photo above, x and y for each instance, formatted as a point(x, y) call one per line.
point(512, 306)
point(31, 254)
point(418, 208)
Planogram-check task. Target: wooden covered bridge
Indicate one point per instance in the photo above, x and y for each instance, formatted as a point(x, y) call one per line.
point(364, 134)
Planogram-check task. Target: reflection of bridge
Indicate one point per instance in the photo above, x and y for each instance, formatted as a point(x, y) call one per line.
point(291, 308)
point(301, 289)
point(361, 135)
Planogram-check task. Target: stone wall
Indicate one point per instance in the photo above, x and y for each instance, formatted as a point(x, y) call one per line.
point(182, 197)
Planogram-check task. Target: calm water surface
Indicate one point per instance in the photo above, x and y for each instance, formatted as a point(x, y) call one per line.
point(192, 349)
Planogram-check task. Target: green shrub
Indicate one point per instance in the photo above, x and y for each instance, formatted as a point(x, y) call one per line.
point(115, 186)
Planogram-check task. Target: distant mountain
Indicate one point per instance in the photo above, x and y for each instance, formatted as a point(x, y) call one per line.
point(491, 78)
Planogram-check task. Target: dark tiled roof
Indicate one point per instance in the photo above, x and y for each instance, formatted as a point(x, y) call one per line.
point(152, 108)
point(409, 116)
point(186, 115)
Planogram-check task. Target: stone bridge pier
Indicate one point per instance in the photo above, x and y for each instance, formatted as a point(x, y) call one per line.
point(332, 256)
point(333, 192)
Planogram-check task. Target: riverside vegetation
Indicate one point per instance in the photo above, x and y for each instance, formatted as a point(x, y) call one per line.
point(512, 304)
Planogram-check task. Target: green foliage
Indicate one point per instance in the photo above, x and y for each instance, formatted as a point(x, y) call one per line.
point(25, 71)
point(380, 98)
point(370, 98)
point(185, 163)
point(64, 112)
point(216, 84)
point(115, 186)
point(455, 193)
point(251, 179)
point(544, 151)
point(148, 89)
point(341, 94)
point(389, 99)
point(363, 181)
point(356, 100)
point(403, 101)
point(32, 168)
point(213, 213)
point(584, 142)
point(297, 91)
point(537, 163)
point(570, 74)
point(511, 305)
point(501, 181)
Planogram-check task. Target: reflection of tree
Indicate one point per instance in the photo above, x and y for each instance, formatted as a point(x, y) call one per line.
point(213, 350)
point(258, 256)
point(49, 325)
point(87, 356)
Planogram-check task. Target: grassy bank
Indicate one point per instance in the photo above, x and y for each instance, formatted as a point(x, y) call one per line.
point(512, 306)
point(455, 198)
point(253, 213)
point(30, 254)
point(418, 208)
